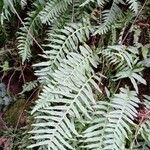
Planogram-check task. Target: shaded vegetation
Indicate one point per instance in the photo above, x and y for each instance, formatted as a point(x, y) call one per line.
point(75, 74)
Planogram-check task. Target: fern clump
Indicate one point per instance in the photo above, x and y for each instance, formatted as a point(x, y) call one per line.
point(90, 75)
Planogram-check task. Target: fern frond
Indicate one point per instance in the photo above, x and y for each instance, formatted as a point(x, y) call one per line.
point(112, 124)
point(29, 86)
point(53, 10)
point(99, 2)
point(109, 17)
point(134, 74)
point(57, 118)
point(68, 71)
point(133, 5)
point(94, 135)
point(118, 55)
point(68, 96)
point(62, 42)
point(32, 23)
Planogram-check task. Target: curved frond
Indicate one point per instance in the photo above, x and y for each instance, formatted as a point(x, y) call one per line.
point(119, 55)
point(109, 17)
point(63, 41)
point(112, 124)
point(32, 23)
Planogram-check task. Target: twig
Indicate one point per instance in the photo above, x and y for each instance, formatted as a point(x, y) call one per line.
point(23, 109)
point(8, 86)
point(25, 26)
point(22, 74)
point(72, 18)
point(134, 21)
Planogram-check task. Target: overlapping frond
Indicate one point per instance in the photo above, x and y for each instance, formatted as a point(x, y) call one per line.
point(126, 63)
point(68, 96)
point(113, 122)
point(60, 43)
point(110, 16)
point(68, 71)
point(119, 55)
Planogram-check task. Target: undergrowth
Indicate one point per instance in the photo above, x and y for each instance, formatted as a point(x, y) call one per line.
point(91, 82)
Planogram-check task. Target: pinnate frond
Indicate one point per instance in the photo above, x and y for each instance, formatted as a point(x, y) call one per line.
point(113, 122)
point(69, 71)
point(53, 10)
point(25, 41)
point(62, 42)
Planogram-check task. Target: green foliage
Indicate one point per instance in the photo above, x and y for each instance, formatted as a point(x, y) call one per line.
point(54, 9)
point(26, 33)
point(29, 86)
point(112, 122)
point(62, 42)
point(78, 108)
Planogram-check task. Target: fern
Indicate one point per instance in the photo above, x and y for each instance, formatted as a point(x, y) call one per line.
point(74, 95)
point(54, 9)
point(25, 40)
point(71, 77)
point(118, 55)
point(68, 69)
point(132, 74)
point(112, 124)
point(62, 42)
point(110, 16)
point(29, 86)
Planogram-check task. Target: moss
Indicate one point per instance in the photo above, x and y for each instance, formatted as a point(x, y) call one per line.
point(12, 114)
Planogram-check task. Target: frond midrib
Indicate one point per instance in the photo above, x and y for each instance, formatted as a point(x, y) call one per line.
point(69, 108)
point(63, 45)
